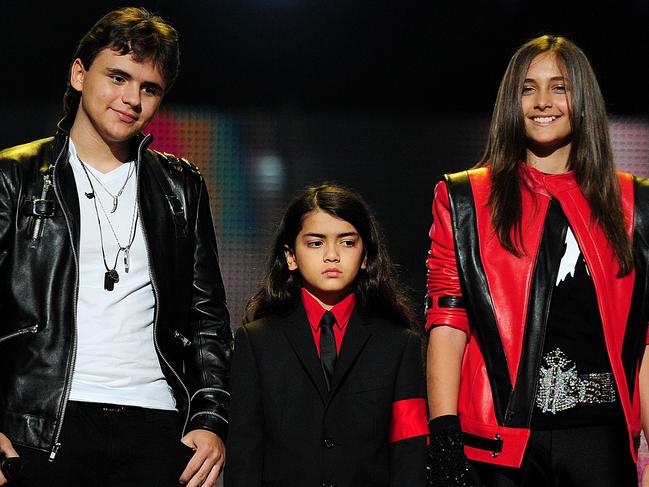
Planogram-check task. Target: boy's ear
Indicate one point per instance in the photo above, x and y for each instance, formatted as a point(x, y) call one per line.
point(77, 75)
point(290, 258)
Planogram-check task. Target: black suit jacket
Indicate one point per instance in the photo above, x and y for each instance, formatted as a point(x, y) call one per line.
point(287, 430)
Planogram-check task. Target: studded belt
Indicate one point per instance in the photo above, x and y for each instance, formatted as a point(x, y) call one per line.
point(562, 387)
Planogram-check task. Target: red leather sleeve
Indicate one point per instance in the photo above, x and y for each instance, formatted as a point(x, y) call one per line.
point(443, 280)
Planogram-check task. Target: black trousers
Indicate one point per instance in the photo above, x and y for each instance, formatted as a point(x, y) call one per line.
point(111, 447)
point(593, 456)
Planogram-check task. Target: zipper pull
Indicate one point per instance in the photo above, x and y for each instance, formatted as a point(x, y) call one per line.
point(54, 451)
point(47, 183)
point(184, 340)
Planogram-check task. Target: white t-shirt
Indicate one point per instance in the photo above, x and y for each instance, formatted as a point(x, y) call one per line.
point(116, 360)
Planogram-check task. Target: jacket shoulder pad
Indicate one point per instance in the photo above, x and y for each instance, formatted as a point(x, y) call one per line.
point(176, 164)
point(462, 177)
point(26, 151)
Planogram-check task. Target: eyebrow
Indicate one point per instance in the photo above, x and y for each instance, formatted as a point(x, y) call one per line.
point(554, 78)
point(124, 74)
point(340, 235)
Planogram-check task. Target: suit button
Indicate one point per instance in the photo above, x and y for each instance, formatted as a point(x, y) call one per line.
point(329, 443)
point(326, 483)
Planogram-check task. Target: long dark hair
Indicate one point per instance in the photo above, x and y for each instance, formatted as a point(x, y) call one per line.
point(376, 287)
point(591, 154)
point(128, 30)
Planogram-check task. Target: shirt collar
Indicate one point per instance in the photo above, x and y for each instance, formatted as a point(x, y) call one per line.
point(342, 310)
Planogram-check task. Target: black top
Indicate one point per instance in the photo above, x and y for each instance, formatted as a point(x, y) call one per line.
point(574, 333)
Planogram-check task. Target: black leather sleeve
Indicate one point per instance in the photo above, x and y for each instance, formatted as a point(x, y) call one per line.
point(7, 212)
point(211, 338)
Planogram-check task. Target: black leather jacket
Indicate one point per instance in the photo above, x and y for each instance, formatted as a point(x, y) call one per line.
point(39, 253)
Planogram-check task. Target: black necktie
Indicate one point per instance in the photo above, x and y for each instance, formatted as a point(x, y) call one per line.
point(327, 346)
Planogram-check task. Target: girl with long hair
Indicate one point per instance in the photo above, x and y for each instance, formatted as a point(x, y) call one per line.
point(327, 379)
point(536, 291)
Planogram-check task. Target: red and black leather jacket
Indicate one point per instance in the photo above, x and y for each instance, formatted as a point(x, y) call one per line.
point(501, 301)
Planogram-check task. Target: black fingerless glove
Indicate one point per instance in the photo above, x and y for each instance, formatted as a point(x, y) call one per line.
point(448, 466)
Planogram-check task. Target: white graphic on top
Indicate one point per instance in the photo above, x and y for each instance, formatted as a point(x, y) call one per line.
point(570, 258)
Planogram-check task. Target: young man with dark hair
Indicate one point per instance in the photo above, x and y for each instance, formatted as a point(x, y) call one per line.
point(115, 340)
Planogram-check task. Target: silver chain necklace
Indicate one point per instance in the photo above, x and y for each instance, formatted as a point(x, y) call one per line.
point(111, 277)
point(115, 197)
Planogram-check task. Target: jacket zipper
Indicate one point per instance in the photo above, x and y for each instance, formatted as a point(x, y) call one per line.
point(156, 293)
point(22, 331)
point(47, 183)
point(71, 364)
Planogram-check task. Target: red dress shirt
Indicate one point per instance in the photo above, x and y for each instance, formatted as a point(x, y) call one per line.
point(341, 310)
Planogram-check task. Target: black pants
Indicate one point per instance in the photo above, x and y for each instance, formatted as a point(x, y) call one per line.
point(111, 448)
point(593, 456)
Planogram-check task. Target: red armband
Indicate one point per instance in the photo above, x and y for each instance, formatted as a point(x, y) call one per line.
point(409, 419)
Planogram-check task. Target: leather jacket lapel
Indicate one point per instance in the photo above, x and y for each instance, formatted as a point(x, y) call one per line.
point(66, 191)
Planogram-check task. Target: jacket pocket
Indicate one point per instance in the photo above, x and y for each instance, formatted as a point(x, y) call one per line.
point(27, 330)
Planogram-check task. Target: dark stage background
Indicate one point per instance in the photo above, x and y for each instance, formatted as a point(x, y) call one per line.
point(383, 96)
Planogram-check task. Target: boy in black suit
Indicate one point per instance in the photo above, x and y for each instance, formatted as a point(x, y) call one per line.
point(327, 380)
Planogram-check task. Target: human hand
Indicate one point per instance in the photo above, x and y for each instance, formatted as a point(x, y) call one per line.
point(7, 451)
point(204, 467)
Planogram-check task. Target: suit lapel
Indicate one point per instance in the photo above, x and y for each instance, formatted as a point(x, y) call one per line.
point(357, 333)
point(296, 329)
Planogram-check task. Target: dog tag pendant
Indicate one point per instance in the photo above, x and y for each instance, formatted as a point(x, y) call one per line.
point(127, 259)
point(110, 278)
